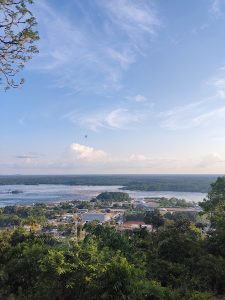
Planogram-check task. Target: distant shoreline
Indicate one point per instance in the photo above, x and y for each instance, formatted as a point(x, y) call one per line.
point(48, 193)
point(174, 183)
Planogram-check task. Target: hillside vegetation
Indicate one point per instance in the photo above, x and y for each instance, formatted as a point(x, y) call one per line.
point(175, 261)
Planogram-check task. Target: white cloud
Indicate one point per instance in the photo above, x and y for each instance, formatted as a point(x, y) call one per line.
point(87, 153)
point(30, 158)
point(191, 115)
point(138, 157)
point(205, 112)
point(210, 160)
point(79, 158)
point(88, 158)
point(221, 94)
point(209, 117)
point(119, 118)
point(132, 16)
point(137, 98)
point(140, 98)
point(218, 82)
point(125, 58)
point(217, 7)
point(199, 29)
point(21, 121)
point(88, 57)
point(180, 117)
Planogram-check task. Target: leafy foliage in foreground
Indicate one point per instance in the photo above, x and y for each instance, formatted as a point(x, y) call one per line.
point(176, 261)
point(17, 39)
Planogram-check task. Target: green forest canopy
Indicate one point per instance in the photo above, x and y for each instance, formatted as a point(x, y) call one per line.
point(183, 183)
point(113, 197)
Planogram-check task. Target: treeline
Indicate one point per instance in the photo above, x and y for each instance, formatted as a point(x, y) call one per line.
point(39, 213)
point(188, 183)
point(173, 183)
point(113, 197)
point(11, 216)
point(174, 202)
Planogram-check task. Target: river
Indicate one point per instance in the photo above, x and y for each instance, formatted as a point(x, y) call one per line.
point(50, 193)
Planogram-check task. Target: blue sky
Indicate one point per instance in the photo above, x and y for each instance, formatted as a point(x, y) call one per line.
point(143, 79)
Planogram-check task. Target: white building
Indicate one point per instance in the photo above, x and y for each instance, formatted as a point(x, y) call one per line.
point(68, 217)
point(101, 217)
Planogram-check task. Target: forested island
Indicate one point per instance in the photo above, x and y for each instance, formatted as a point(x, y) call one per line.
point(113, 197)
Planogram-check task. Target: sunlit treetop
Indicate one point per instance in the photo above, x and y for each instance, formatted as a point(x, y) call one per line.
point(17, 40)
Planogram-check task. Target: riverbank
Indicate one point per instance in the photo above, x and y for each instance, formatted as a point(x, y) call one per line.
point(48, 193)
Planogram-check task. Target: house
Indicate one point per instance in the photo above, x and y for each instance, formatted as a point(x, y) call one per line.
point(143, 206)
point(153, 204)
point(101, 217)
point(163, 210)
point(82, 210)
point(68, 217)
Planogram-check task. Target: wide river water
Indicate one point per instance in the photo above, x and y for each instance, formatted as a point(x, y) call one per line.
point(47, 193)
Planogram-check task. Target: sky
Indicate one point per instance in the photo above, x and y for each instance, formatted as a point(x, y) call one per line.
point(120, 86)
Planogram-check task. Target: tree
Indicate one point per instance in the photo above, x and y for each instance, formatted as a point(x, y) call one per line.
point(215, 201)
point(17, 38)
point(154, 218)
point(113, 197)
point(214, 208)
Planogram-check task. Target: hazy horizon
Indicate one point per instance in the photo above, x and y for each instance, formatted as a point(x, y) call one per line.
point(114, 174)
